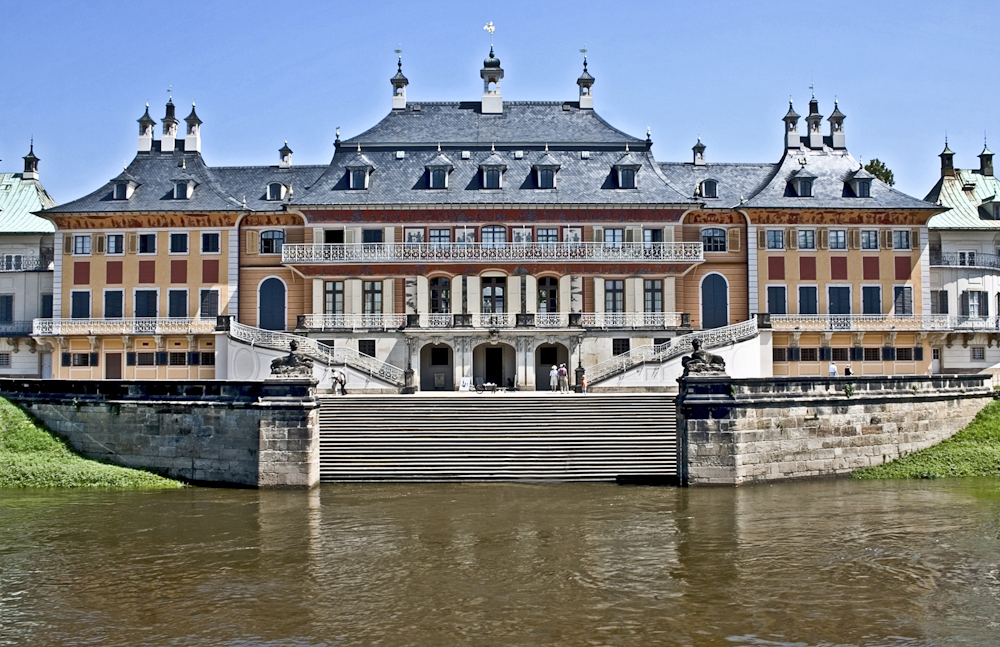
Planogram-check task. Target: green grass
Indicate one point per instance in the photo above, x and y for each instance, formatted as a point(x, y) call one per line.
point(974, 451)
point(31, 456)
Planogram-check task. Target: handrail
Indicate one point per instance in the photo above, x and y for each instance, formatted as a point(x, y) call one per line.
point(632, 319)
point(354, 321)
point(24, 263)
point(964, 259)
point(852, 322)
point(488, 252)
point(328, 355)
point(672, 348)
point(130, 326)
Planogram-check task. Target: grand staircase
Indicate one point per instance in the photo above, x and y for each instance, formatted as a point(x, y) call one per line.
point(498, 437)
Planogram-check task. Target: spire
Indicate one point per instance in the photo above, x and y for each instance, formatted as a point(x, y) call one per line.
point(947, 160)
point(146, 126)
point(193, 141)
point(30, 164)
point(586, 83)
point(169, 128)
point(399, 83)
point(699, 153)
point(836, 120)
point(285, 155)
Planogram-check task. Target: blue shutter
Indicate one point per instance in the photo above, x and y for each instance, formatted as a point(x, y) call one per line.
point(888, 354)
point(94, 359)
point(161, 359)
point(130, 359)
point(194, 358)
point(65, 359)
point(857, 354)
point(918, 353)
point(794, 353)
point(824, 354)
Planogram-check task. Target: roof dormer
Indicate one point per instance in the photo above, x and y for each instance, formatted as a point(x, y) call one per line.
point(359, 171)
point(626, 169)
point(801, 183)
point(183, 188)
point(491, 172)
point(546, 170)
point(438, 170)
point(123, 186)
point(860, 182)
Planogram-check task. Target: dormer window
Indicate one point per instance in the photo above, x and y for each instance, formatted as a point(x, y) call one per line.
point(275, 191)
point(626, 179)
point(121, 191)
point(491, 178)
point(626, 169)
point(359, 171)
point(710, 189)
point(437, 172)
point(804, 187)
point(492, 172)
point(181, 190)
point(359, 179)
point(864, 189)
point(546, 179)
point(439, 179)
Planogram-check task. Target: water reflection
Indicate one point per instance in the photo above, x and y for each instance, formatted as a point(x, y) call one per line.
point(829, 563)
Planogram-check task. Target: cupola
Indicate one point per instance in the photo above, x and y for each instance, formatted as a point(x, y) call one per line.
point(399, 83)
point(836, 120)
point(492, 73)
point(986, 162)
point(146, 125)
point(285, 156)
point(30, 165)
point(586, 83)
point(169, 129)
point(814, 124)
point(699, 153)
point(193, 140)
point(791, 120)
point(947, 160)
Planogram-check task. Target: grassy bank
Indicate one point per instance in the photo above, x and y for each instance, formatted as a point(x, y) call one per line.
point(31, 456)
point(974, 451)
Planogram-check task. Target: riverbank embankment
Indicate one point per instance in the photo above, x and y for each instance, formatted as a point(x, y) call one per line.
point(33, 457)
point(973, 451)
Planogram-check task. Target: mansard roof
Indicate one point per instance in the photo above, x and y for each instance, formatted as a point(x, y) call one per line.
point(735, 182)
point(968, 208)
point(557, 123)
point(19, 200)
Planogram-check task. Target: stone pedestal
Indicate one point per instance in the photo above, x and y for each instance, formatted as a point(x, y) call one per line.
point(289, 434)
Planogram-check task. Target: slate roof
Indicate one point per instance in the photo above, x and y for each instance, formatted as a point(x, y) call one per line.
point(735, 182)
point(405, 181)
point(965, 211)
point(19, 200)
point(832, 168)
point(522, 122)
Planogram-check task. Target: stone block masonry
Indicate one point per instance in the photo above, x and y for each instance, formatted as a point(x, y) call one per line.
point(735, 431)
point(251, 434)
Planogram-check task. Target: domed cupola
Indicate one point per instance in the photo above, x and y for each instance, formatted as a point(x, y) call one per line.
point(492, 73)
point(399, 83)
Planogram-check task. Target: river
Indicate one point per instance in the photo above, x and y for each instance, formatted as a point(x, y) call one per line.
point(827, 563)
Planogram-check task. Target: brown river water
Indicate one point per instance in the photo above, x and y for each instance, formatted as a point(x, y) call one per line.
point(826, 563)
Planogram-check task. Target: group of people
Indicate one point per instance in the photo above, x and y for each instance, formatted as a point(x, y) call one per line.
point(559, 378)
point(847, 370)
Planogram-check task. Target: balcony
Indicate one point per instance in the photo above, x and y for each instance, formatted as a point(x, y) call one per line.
point(137, 326)
point(635, 320)
point(491, 253)
point(965, 259)
point(20, 263)
point(485, 320)
point(859, 323)
point(970, 324)
point(15, 328)
point(361, 322)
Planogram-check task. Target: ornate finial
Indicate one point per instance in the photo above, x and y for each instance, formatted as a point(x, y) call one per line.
point(584, 52)
point(812, 88)
point(192, 104)
point(490, 28)
point(546, 147)
point(399, 63)
point(170, 92)
point(439, 147)
point(147, 105)
point(338, 133)
point(359, 147)
point(626, 147)
point(244, 202)
point(493, 147)
point(649, 132)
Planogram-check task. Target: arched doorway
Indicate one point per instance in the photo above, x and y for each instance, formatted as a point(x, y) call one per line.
point(495, 363)
point(437, 368)
point(714, 301)
point(547, 356)
point(271, 304)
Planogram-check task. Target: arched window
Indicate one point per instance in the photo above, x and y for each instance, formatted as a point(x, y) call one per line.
point(494, 237)
point(713, 240)
point(710, 189)
point(440, 293)
point(271, 242)
point(274, 191)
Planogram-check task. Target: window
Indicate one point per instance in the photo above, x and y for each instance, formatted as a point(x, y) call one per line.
point(494, 237)
point(521, 236)
point(548, 237)
point(146, 359)
point(208, 358)
point(978, 353)
point(13, 262)
point(546, 179)
point(177, 303)
point(972, 303)
point(114, 306)
point(872, 354)
point(181, 191)
point(147, 243)
point(864, 188)
point(440, 295)
point(939, 302)
point(334, 298)
point(115, 244)
point(775, 239)
point(210, 243)
point(779, 354)
point(902, 301)
point(808, 354)
point(178, 243)
point(413, 237)
point(271, 242)
point(465, 237)
point(178, 359)
point(4, 360)
point(491, 178)
point(808, 300)
point(548, 295)
point(121, 191)
point(871, 300)
point(653, 295)
point(936, 353)
point(274, 190)
point(6, 308)
point(613, 238)
point(967, 258)
point(614, 296)
point(713, 240)
point(901, 239)
point(494, 293)
point(81, 245)
point(709, 189)
point(359, 179)
point(904, 354)
point(840, 354)
point(80, 305)
point(46, 306)
point(209, 304)
point(652, 238)
point(776, 300)
point(838, 239)
point(145, 303)
point(626, 178)
point(869, 239)
point(371, 297)
point(371, 236)
point(81, 359)
point(440, 238)
point(572, 237)
point(619, 346)
point(366, 347)
point(807, 239)
point(439, 179)
point(804, 187)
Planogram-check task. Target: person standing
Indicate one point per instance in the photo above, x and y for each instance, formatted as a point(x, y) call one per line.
point(554, 378)
point(563, 379)
point(833, 369)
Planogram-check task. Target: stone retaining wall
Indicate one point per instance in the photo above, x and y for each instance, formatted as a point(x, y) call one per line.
point(741, 431)
point(241, 433)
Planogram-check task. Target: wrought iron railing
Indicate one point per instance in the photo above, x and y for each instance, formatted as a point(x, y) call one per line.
point(329, 355)
point(352, 322)
point(632, 319)
point(859, 323)
point(490, 252)
point(21, 263)
point(964, 259)
point(672, 348)
point(134, 326)
point(9, 328)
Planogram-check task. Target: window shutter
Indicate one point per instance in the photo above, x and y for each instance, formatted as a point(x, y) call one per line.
point(629, 235)
point(161, 358)
point(194, 358)
point(598, 234)
point(857, 354)
point(668, 235)
point(854, 236)
point(918, 353)
point(915, 239)
point(130, 359)
point(794, 353)
point(67, 244)
point(824, 238)
point(984, 304)
point(65, 359)
point(762, 239)
point(133, 243)
point(888, 354)
point(825, 354)
point(253, 242)
point(886, 239)
point(734, 239)
point(965, 304)
point(943, 302)
point(791, 239)
point(94, 357)
point(99, 244)
point(348, 236)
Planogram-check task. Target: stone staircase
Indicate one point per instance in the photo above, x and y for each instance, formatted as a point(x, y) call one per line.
point(498, 437)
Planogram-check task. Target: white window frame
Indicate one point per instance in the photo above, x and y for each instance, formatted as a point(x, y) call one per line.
point(850, 298)
point(156, 243)
point(87, 241)
point(107, 239)
point(260, 249)
point(438, 244)
point(881, 302)
point(187, 190)
point(767, 239)
point(170, 243)
point(863, 236)
point(619, 234)
point(218, 300)
point(804, 187)
point(281, 191)
point(798, 235)
point(350, 177)
point(909, 241)
point(967, 257)
point(767, 296)
point(701, 237)
point(201, 246)
point(146, 289)
point(90, 300)
point(13, 262)
point(710, 184)
point(798, 296)
point(830, 239)
point(187, 302)
point(972, 353)
point(104, 302)
point(912, 304)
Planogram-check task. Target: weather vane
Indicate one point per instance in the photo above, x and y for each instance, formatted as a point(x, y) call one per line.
point(584, 52)
point(170, 92)
point(490, 28)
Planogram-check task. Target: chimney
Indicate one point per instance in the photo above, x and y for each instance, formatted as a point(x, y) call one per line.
point(146, 125)
point(699, 153)
point(791, 120)
point(193, 140)
point(947, 160)
point(30, 165)
point(986, 162)
point(285, 156)
point(815, 123)
point(169, 129)
point(586, 83)
point(492, 73)
point(399, 83)
point(836, 120)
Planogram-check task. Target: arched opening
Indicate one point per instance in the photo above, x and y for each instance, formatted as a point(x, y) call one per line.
point(714, 301)
point(495, 363)
point(437, 368)
point(547, 356)
point(271, 304)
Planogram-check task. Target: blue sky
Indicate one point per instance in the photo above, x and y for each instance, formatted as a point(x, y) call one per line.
point(76, 75)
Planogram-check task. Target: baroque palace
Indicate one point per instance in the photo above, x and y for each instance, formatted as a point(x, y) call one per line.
point(487, 241)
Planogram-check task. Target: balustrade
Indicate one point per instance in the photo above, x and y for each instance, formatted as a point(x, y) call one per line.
point(860, 323)
point(352, 322)
point(964, 259)
point(135, 326)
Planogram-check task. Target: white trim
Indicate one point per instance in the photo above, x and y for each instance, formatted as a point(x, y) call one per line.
point(90, 239)
point(815, 234)
point(784, 243)
point(830, 247)
point(138, 242)
point(798, 297)
point(881, 302)
point(109, 235)
point(892, 309)
point(201, 242)
point(701, 299)
point(285, 286)
point(146, 289)
point(768, 286)
point(925, 272)
point(218, 300)
point(260, 242)
point(57, 274)
point(753, 296)
point(170, 243)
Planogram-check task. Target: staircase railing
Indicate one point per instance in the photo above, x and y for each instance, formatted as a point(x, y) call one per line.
point(672, 348)
point(328, 355)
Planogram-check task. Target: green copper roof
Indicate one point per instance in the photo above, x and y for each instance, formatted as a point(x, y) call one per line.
point(965, 194)
point(19, 199)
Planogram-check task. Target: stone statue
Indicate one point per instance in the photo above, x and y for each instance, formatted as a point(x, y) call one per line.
point(701, 362)
point(295, 364)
